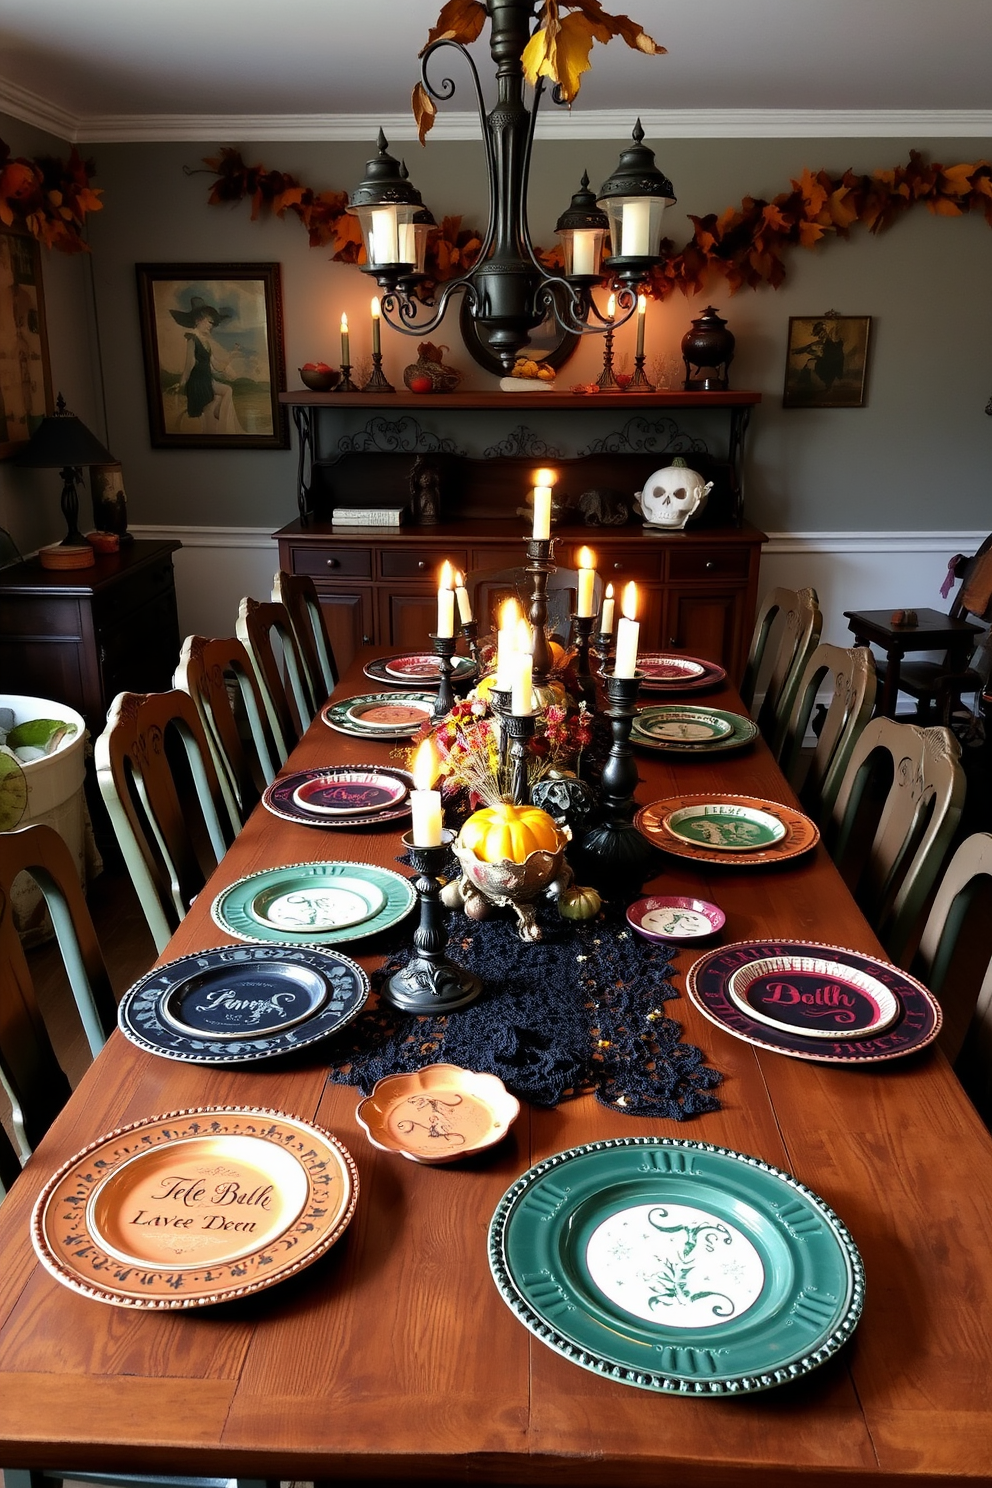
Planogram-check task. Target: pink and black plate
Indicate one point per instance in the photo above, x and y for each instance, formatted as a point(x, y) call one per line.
point(671, 671)
point(812, 1001)
point(341, 796)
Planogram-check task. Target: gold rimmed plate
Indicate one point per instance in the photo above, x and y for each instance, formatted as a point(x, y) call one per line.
point(800, 834)
point(194, 1207)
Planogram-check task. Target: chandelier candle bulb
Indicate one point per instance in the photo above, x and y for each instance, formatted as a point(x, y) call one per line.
point(446, 604)
point(425, 803)
point(611, 307)
point(584, 253)
point(627, 633)
point(464, 602)
point(606, 618)
point(642, 305)
point(587, 583)
point(384, 232)
point(345, 343)
point(636, 230)
point(376, 341)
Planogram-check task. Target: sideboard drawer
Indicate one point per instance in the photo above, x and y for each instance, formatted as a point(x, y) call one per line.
point(419, 563)
point(620, 565)
point(709, 563)
point(332, 563)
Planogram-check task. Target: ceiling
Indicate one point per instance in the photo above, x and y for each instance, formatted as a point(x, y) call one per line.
point(159, 68)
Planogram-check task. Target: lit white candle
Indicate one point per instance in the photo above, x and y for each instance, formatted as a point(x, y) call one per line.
point(611, 307)
point(543, 482)
point(509, 619)
point(583, 252)
point(384, 230)
point(522, 676)
point(462, 596)
point(345, 343)
point(446, 603)
point(635, 229)
point(627, 633)
point(425, 803)
point(587, 582)
point(606, 618)
point(407, 243)
point(376, 311)
point(642, 305)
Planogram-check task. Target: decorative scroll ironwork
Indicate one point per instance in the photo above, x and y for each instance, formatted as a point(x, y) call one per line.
point(645, 436)
point(523, 441)
point(395, 437)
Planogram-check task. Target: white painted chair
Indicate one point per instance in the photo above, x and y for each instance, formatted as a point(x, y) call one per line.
point(298, 593)
point(289, 706)
point(816, 779)
point(799, 625)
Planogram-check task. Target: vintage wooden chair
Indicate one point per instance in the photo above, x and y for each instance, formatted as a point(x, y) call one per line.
point(289, 705)
point(30, 1072)
point(797, 612)
point(298, 593)
point(163, 796)
point(489, 587)
point(245, 766)
point(816, 779)
point(891, 867)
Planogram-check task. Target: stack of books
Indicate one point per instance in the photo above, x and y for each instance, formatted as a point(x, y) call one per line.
point(367, 516)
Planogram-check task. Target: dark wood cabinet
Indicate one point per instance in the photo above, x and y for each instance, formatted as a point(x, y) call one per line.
point(80, 636)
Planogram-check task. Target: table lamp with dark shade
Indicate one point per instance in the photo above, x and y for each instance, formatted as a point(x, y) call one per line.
point(62, 442)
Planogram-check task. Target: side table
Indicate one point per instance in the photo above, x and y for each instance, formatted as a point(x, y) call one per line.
point(79, 636)
point(933, 631)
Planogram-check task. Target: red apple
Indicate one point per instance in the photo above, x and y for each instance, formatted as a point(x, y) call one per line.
point(420, 385)
point(316, 367)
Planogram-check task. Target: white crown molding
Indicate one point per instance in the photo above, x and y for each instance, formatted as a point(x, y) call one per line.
point(564, 124)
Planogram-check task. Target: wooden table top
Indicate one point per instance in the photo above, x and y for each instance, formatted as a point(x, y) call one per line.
point(395, 1359)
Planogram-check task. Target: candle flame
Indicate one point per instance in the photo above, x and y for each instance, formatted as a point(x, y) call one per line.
point(446, 580)
point(611, 308)
point(609, 591)
point(509, 615)
point(545, 477)
point(344, 321)
point(425, 765)
point(629, 602)
point(459, 579)
point(587, 558)
point(377, 308)
point(642, 304)
point(524, 640)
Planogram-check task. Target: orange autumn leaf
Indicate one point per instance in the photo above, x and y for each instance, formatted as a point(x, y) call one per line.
point(775, 218)
point(813, 193)
point(605, 26)
point(460, 20)
point(424, 111)
point(810, 233)
point(559, 50)
point(940, 206)
point(842, 211)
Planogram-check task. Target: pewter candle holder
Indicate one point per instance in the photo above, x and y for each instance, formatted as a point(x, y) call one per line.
point(606, 380)
point(346, 385)
point(602, 645)
point(377, 382)
point(615, 842)
point(429, 982)
point(519, 730)
point(444, 650)
point(639, 383)
point(500, 698)
point(582, 631)
point(540, 566)
point(470, 634)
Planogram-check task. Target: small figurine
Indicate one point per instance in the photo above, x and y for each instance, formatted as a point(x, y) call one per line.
point(425, 492)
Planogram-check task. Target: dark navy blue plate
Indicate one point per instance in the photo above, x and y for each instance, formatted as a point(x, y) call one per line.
point(241, 1003)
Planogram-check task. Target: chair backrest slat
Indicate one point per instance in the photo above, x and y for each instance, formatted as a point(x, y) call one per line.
point(799, 624)
point(851, 671)
point(298, 593)
point(289, 708)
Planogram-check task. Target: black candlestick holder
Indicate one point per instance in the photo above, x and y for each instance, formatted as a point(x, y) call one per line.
point(429, 982)
point(606, 380)
point(540, 566)
point(582, 631)
point(639, 383)
point(346, 385)
point(602, 645)
point(444, 650)
point(615, 843)
point(518, 729)
point(470, 634)
point(500, 698)
point(377, 382)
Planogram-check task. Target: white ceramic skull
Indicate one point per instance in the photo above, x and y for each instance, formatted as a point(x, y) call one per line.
point(673, 495)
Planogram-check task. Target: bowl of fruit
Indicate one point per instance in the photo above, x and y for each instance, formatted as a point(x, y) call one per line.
point(319, 377)
point(528, 376)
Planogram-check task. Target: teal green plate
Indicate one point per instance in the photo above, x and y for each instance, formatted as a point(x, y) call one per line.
point(676, 1266)
point(645, 730)
point(242, 907)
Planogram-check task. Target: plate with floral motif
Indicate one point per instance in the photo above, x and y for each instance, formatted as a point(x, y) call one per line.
point(676, 1266)
point(823, 1003)
point(438, 1114)
point(341, 796)
point(239, 1004)
point(313, 903)
point(194, 1207)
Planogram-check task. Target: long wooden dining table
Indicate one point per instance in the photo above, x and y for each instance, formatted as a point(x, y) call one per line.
point(394, 1359)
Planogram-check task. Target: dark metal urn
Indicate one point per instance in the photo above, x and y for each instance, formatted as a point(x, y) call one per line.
point(707, 351)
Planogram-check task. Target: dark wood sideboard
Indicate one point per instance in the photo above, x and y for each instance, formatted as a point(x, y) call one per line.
point(80, 636)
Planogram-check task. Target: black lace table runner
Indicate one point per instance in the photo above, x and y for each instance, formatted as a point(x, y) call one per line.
point(583, 1009)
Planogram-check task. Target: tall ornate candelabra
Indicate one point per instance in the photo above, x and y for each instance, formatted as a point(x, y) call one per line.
point(616, 843)
point(444, 650)
point(430, 983)
point(500, 698)
point(582, 631)
point(540, 566)
point(470, 634)
point(518, 729)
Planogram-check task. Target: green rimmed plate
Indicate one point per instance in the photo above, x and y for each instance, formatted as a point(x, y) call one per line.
point(380, 715)
point(676, 1266)
point(675, 729)
point(345, 900)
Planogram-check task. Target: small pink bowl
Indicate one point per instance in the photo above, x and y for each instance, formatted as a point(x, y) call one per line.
point(671, 917)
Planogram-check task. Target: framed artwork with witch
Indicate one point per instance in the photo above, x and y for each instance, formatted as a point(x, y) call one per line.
point(212, 339)
point(827, 361)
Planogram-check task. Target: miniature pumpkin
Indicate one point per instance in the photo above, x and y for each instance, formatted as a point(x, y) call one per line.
point(506, 832)
point(579, 904)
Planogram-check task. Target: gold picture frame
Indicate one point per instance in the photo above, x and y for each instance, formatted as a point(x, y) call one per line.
point(826, 362)
point(25, 372)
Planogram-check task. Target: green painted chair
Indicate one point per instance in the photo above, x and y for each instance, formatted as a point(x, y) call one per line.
point(816, 779)
point(163, 796)
point(298, 593)
point(30, 1073)
point(793, 616)
point(289, 706)
point(954, 900)
point(892, 866)
point(208, 670)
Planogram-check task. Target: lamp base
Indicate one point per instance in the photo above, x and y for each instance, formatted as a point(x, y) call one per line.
point(67, 555)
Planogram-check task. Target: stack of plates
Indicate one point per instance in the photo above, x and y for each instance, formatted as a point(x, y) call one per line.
point(419, 670)
point(318, 904)
point(738, 831)
point(668, 671)
point(379, 715)
point(674, 728)
point(341, 796)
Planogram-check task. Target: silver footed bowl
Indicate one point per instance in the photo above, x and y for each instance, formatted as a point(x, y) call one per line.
point(507, 884)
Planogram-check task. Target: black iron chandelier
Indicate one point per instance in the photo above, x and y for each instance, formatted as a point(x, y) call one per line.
point(508, 291)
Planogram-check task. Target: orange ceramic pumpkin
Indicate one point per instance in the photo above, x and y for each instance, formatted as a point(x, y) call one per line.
point(498, 833)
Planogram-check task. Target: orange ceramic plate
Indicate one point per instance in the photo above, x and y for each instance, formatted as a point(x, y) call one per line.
point(801, 833)
point(439, 1114)
point(194, 1207)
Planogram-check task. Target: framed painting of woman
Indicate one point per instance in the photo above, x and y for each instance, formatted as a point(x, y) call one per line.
point(214, 360)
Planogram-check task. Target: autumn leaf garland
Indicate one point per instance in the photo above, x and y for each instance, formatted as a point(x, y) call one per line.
point(49, 198)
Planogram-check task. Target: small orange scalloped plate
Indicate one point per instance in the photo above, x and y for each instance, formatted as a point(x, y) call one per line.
point(438, 1114)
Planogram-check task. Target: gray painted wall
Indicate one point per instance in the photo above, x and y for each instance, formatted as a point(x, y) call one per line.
point(917, 457)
